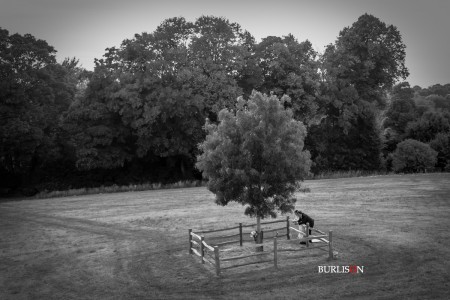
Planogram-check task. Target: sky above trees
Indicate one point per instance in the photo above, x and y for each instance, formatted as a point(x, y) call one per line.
point(84, 28)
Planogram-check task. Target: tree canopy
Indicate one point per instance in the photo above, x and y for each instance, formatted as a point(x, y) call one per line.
point(34, 92)
point(413, 156)
point(255, 156)
point(152, 94)
point(139, 116)
point(357, 71)
point(290, 68)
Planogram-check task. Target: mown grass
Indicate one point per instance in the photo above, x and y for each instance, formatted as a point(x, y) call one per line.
point(180, 184)
point(127, 188)
point(117, 189)
point(134, 245)
point(192, 183)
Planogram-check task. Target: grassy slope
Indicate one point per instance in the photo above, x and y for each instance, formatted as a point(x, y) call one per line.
point(134, 245)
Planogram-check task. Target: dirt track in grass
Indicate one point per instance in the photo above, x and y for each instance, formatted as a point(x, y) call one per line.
point(134, 245)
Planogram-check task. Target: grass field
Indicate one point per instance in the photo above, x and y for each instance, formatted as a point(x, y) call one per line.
point(134, 245)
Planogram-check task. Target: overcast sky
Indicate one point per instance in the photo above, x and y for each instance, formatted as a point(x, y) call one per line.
point(84, 28)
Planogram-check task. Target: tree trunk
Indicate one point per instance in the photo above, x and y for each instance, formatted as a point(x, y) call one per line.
point(259, 238)
point(258, 224)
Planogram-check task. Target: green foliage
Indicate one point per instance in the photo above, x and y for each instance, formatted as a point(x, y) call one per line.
point(218, 45)
point(255, 156)
point(368, 56)
point(34, 92)
point(430, 124)
point(139, 116)
point(357, 71)
point(441, 144)
point(419, 114)
point(440, 103)
point(437, 89)
point(290, 68)
point(360, 67)
point(413, 156)
point(357, 149)
point(149, 98)
point(401, 109)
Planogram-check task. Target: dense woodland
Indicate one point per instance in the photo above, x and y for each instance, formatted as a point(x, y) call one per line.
point(140, 115)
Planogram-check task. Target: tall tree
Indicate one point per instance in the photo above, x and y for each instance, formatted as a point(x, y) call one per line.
point(290, 68)
point(401, 108)
point(370, 56)
point(413, 156)
point(219, 51)
point(34, 92)
point(152, 94)
point(357, 70)
point(441, 144)
point(255, 156)
point(400, 111)
point(218, 45)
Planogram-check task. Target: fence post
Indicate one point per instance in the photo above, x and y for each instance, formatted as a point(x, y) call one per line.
point(202, 250)
point(307, 234)
point(287, 228)
point(216, 256)
point(190, 239)
point(275, 253)
point(240, 234)
point(330, 244)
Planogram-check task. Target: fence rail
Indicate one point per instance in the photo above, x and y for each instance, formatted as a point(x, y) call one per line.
point(301, 249)
point(218, 230)
point(211, 253)
point(227, 236)
point(208, 261)
point(276, 229)
point(317, 230)
point(196, 252)
point(248, 263)
point(195, 235)
point(208, 246)
point(312, 237)
point(244, 256)
point(295, 229)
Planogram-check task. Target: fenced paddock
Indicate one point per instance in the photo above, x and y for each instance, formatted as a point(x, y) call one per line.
point(236, 248)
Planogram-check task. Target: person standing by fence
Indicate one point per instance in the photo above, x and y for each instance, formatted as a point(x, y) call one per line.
point(302, 220)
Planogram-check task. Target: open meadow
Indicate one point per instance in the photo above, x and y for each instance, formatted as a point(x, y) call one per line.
point(134, 245)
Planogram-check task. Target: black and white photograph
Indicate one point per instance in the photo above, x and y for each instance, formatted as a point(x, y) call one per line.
point(246, 149)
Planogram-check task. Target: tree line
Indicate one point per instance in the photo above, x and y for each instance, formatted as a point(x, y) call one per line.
point(140, 115)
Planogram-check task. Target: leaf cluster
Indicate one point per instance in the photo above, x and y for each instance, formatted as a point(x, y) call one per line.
point(255, 156)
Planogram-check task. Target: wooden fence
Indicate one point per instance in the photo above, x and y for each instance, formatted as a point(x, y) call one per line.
point(210, 253)
point(240, 234)
point(323, 238)
point(202, 247)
